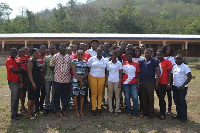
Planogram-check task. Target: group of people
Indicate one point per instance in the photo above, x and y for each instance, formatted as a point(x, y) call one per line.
point(82, 74)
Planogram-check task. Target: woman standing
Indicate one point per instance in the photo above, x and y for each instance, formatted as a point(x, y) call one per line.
point(131, 71)
point(137, 54)
point(167, 49)
point(34, 81)
point(97, 66)
point(79, 81)
point(113, 81)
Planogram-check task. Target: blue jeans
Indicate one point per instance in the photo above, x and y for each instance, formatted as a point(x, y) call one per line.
point(48, 85)
point(14, 88)
point(179, 100)
point(130, 89)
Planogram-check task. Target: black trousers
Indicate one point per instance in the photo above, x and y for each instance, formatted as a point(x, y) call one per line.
point(162, 92)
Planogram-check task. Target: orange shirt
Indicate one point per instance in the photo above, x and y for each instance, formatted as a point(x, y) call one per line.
point(10, 64)
point(165, 65)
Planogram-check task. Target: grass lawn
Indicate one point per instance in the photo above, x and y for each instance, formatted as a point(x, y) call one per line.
point(103, 123)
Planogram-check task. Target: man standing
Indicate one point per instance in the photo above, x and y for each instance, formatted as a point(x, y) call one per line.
point(148, 67)
point(181, 77)
point(48, 76)
point(13, 82)
point(61, 64)
point(41, 92)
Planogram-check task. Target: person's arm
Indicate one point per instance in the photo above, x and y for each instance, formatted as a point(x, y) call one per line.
point(169, 79)
point(157, 76)
point(189, 77)
point(120, 78)
point(29, 69)
point(44, 67)
point(107, 73)
point(138, 78)
point(52, 63)
point(15, 70)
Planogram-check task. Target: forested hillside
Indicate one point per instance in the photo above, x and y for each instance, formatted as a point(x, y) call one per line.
point(108, 16)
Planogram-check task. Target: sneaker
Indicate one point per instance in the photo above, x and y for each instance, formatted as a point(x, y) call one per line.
point(93, 112)
point(169, 111)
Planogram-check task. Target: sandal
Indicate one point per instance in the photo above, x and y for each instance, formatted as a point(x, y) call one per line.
point(77, 115)
point(30, 117)
point(81, 115)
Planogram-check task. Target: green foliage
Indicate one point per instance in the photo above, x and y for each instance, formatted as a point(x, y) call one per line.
point(108, 16)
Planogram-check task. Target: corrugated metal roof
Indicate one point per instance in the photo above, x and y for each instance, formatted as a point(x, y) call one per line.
point(99, 36)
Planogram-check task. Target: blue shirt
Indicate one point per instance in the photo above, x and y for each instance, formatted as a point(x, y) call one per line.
point(105, 55)
point(147, 70)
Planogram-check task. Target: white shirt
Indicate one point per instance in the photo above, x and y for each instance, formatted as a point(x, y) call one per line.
point(114, 71)
point(180, 74)
point(170, 58)
point(138, 59)
point(97, 67)
point(91, 52)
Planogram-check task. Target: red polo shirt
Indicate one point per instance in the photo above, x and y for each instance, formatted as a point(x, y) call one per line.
point(86, 56)
point(22, 58)
point(10, 64)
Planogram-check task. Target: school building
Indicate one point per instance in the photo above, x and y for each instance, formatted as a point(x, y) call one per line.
point(187, 45)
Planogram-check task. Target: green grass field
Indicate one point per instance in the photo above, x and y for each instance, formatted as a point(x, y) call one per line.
point(104, 123)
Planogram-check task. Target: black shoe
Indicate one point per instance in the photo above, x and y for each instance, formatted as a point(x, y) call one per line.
point(93, 112)
point(99, 112)
point(176, 117)
point(41, 108)
point(183, 120)
point(150, 117)
point(19, 115)
point(14, 117)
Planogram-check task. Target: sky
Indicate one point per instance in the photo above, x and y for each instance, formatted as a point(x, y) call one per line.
point(33, 5)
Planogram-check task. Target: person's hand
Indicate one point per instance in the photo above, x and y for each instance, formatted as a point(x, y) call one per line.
point(156, 85)
point(34, 87)
point(168, 86)
point(138, 86)
point(119, 85)
point(182, 87)
point(82, 77)
point(82, 83)
point(106, 84)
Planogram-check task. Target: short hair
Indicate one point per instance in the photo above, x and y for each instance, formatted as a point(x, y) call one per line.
point(34, 50)
point(164, 48)
point(42, 47)
point(123, 43)
point(148, 49)
point(13, 48)
point(62, 44)
point(52, 45)
point(94, 41)
point(129, 53)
